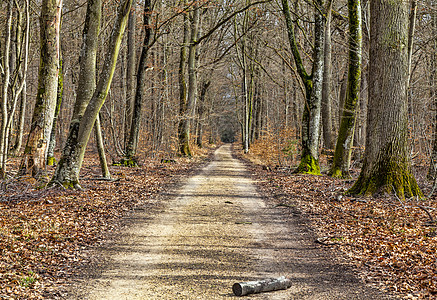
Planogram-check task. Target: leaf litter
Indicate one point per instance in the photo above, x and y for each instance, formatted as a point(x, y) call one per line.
point(45, 233)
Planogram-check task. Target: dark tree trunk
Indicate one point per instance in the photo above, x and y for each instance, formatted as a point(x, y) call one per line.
point(387, 166)
point(343, 149)
point(132, 144)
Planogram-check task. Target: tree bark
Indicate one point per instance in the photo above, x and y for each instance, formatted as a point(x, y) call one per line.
point(183, 138)
point(51, 149)
point(131, 68)
point(4, 96)
point(432, 172)
point(328, 135)
point(101, 149)
point(204, 88)
point(343, 149)
point(266, 285)
point(132, 144)
point(313, 89)
point(387, 166)
point(35, 153)
point(67, 172)
point(185, 123)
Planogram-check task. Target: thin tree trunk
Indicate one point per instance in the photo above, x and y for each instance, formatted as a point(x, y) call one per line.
point(101, 149)
point(205, 85)
point(313, 89)
point(432, 172)
point(35, 153)
point(51, 149)
point(343, 149)
point(67, 172)
point(4, 96)
point(183, 93)
point(387, 166)
point(19, 90)
point(328, 135)
point(21, 117)
point(132, 145)
point(131, 67)
point(185, 123)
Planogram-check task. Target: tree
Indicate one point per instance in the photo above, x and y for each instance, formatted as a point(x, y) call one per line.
point(132, 144)
point(343, 149)
point(35, 153)
point(313, 88)
point(387, 166)
point(433, 94)
point(67, 172)
point(186, 108)
point(328, 136)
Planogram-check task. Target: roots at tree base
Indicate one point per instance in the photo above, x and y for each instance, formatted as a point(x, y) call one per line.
point(308, 165)
point(388, 179)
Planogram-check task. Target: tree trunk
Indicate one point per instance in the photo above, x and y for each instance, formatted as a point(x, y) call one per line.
point(35, 153)
point(313, 89)
point(432, 172)
point(101, 149)
point(205, 85)
point(19, 90)
point(20, 127)
point(343, 149)
point(67, 172)
point(387, 167)
point(183, 138)
point(185, 123)
point(4, 96)
point(51, 150)
point(328, 136)
point(132, 144)
point(131, 67)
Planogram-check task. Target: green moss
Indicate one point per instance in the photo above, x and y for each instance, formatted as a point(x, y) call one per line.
point(127, 162)
point(308, 165)
point(336, 173)
point(389, 178)
point(51, 161)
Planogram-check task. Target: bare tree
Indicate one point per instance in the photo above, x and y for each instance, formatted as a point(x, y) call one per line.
point(387, 166)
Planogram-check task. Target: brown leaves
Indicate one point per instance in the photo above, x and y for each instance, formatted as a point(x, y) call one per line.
point(43, 232)
point(394, 243)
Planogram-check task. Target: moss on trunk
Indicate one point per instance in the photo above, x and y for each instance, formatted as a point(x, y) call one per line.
point(308, 165)
point(387, 178)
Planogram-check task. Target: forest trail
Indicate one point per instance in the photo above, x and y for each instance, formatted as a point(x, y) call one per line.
point(215, 230)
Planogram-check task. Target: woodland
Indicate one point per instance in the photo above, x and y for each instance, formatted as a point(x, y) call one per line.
point(331, 102)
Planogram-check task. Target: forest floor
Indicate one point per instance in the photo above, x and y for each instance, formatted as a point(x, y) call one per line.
point(46, 234)
point(189, 232)
point(392, 243)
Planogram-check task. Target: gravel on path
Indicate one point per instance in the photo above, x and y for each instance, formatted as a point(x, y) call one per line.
point(215, 230)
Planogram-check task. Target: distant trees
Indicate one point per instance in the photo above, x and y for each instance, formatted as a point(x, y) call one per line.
point(192, 72)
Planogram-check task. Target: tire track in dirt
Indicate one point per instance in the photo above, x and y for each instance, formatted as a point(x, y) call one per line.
point(216, 230)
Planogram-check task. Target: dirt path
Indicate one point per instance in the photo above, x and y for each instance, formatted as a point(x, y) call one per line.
point(215, 230)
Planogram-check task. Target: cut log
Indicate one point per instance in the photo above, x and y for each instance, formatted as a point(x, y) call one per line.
point(266, 285)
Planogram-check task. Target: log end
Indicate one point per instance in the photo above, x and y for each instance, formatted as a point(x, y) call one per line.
point(237, 289)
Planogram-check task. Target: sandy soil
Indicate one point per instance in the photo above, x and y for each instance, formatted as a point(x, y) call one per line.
point(214, 230)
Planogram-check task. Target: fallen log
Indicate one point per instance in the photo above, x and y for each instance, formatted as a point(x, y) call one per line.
point(266, 285)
